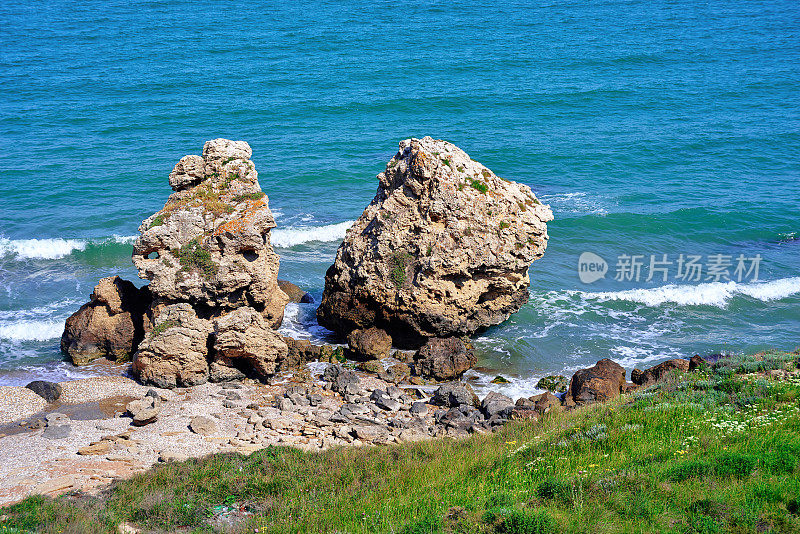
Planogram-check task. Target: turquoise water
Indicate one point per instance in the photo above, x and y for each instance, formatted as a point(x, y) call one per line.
point(650, 128)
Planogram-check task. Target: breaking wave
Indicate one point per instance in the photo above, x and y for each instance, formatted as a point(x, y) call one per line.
point(54, 248)
point(708, 294)
point(290, 237)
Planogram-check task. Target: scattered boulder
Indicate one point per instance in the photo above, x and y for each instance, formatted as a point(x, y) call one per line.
point(344, 381)
point(369, 344)
point(443, 249)
point(556, 383)
point(454, 394)
point(601, 382)
point(301, 351)
point(545, 402)
point(397, 373)
point(110, 325)
point(294, 293)
point(497, 405)
point(203, 425)
point(96, 448)
point(144, 411)
point(444, 358)
point(656, 373)
point(49, 391)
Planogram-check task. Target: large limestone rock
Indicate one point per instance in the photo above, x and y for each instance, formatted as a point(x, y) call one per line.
point(210, 244)
point(213, 274)
point(442, 250)
point(110, 325)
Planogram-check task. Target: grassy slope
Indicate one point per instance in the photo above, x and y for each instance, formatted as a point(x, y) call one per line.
point(713, 451)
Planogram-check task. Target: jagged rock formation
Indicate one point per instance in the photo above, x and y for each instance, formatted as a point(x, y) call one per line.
point(212, 272)
point(110, 325)
point(209, 245)
point(443, 249)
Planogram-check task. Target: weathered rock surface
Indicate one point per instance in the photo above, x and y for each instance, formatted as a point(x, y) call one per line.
point(243, 336)
point(369, 344)
point(601, 382)
point(174, 351)
point(442, 250)
point(294, 293)
point(210, 244)
point(144, 411)
point(658, 372)
point(110, 325)
point(444, 358)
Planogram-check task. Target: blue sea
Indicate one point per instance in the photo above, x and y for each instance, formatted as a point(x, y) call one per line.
point(662, 132)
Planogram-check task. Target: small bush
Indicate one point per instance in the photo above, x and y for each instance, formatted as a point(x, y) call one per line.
point(480, 186)
point(688, 469)
point(161, 327)
point(504, 225)
point(734, 464)
point(499, 500)
point(526, 522)
point(781, 461)
point(158, 220)
point(193, 255)
point(399, 262)
point(552, 489)
point(425, 525)
point(249, 196)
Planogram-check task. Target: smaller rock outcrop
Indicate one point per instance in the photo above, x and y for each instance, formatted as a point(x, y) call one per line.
point(243, 336)
point(454, 394)
point(110, 325)
point(444, 358)
point(174, 352)
point(658, 372)
point(368, 344)
point(145, 411)
point(294, 293)
point(601, 382)
point(557, 383)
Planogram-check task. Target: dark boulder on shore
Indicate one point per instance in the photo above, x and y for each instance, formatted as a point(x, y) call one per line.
point(601, 382)
point(110, 325)
point(444, 358)
point(294, 293)
point(49, 391)
point(368, 344)
point(658, 372)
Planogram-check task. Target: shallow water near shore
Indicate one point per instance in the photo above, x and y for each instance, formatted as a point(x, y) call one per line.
point(651, 130)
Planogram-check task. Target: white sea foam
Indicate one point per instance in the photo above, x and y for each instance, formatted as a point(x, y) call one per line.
point(290, 237)
point(708, 294)
point(53, 248)
point(575, 202)
point(31, 330)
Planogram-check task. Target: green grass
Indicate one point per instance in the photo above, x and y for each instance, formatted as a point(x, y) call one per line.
point(680, 457)
point(480, 186)
point(249, 196)
point(158, 220)
point(160, 328)
point(193, 255)
point(399, 263)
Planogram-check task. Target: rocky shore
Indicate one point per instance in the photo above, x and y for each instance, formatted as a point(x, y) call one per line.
point(96, 430)
point(441, 253)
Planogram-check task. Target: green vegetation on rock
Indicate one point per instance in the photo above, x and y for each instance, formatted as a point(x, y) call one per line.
point(193, 255)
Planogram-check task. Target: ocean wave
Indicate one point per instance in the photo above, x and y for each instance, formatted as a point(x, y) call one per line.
point(54, 248)
point(290, 237)
point(575, 202)
point(32, 330)
point(709, 294)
